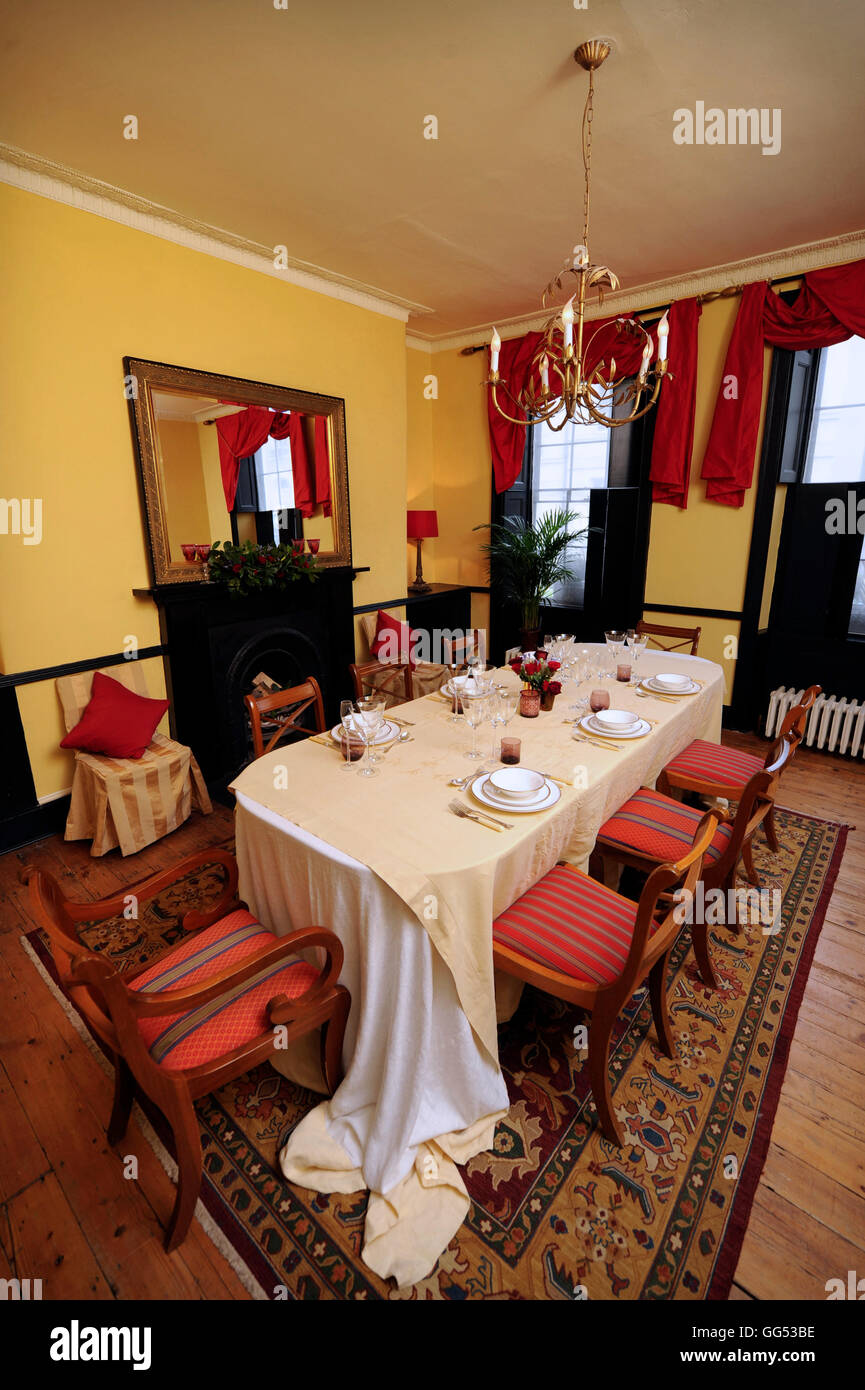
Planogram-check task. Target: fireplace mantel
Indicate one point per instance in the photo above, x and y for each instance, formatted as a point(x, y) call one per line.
point(212, 638)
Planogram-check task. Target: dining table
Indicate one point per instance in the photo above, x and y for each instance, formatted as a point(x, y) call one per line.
point(411, 890)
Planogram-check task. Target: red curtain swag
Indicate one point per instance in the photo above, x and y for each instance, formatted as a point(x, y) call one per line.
point(674, 429)
point(829, 309)
point(242, 434)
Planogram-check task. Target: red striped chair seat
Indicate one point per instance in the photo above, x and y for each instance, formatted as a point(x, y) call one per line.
point(232, 1019)
point(714, 764)
point(660, 828)
point(570, 923)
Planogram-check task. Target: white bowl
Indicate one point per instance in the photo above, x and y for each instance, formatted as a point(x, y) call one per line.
point(671, 682)
point(618, 720)
point(517, 783)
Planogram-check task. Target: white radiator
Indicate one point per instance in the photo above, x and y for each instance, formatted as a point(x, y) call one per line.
point(835, 725)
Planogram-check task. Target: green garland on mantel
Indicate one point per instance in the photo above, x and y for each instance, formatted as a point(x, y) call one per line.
point(250, 568)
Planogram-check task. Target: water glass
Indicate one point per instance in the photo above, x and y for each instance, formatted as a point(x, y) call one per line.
point(351, 739)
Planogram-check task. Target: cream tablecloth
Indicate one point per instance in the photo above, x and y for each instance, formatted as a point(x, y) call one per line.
point(374, 859)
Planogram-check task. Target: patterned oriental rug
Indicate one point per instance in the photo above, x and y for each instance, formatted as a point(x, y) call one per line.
point(557, 1212)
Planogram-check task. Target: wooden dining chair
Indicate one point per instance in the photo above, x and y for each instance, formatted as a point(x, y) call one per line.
point(392, 679)
point(711, 769)
point(671, 639)
point(580, 941)
point(651, 828)
point(457, 650)
point(203, 1013)
point(297, 700)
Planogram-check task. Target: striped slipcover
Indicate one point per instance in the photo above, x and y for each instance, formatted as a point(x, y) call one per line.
point(425, 678)
point(128, 802)
point(179, 1041)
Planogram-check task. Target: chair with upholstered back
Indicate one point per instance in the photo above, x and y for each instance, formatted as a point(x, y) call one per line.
point(127, 802)
point(580, 941)
point(392, 679)
point(291, 705)
point(650, 828)
point(671, 639)
point(201, 1013)
point(458, 650)
point(426, 677)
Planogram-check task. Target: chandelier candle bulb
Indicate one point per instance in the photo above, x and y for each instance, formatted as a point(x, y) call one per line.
point(644, 364)
point(663, 331)
point(495, 349)
point(545, 374)
point(568, 322)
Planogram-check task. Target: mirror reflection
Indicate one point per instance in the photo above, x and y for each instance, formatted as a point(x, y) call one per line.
point(241, 472)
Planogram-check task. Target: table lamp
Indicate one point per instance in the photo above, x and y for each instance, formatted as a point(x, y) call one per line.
point(421, 526)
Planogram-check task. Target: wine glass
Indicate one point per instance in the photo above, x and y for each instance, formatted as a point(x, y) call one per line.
point(455, 715)
point(637, 643)
point(616, 639)
point(582, 674)
point(369, 716)
point(475, 709)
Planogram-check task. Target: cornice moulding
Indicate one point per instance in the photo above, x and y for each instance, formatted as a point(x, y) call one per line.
point(792, 262)
point(33, 174)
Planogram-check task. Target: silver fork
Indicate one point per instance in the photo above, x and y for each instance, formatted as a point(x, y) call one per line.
point(491, 822)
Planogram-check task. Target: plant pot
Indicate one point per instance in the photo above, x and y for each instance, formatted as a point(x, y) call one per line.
point(530, 703)
point(548, 699)
point(530, 638)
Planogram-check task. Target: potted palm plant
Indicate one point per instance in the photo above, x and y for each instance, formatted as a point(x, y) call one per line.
point(525, 560)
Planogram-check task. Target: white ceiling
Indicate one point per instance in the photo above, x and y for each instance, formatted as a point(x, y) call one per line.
point(304, 127)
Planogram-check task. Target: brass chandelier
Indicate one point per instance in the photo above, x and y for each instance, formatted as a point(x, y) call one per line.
point(558, 383)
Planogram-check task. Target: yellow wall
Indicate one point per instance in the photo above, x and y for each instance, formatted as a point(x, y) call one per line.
point(80, 292)
point(185, 499)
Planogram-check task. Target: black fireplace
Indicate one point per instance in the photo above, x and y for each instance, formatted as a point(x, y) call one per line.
point(217, 644)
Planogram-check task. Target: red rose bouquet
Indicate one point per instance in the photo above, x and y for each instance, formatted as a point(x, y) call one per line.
point(537, 673)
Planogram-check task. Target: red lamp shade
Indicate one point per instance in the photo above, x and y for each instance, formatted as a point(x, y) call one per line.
point(422, 526)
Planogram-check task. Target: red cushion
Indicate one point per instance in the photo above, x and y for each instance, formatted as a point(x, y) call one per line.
point(393, 641)
point(713, 765)
point(659, 828)
point(570, 923)
point(185, 1040)
point(116, 722)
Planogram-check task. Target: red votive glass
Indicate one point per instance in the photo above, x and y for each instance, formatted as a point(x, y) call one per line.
point(510, 750)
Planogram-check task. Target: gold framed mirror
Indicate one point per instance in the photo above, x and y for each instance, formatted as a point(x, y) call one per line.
point(235, 460)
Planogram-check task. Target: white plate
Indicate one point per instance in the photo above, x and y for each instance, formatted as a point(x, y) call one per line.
point(691, 689)
point(550, 794)
point(386, 734)
point(588, 725)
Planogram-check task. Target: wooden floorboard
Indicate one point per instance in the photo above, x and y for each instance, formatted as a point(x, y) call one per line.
point(68, 1215)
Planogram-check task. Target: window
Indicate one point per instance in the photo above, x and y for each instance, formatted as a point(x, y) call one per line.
point(836, 443)
point(857, 612)
point(566, 466)
point(273, 476)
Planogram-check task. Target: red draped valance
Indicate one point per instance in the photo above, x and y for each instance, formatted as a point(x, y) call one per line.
point(674, 428)
point(829, 308)
point(242, 434)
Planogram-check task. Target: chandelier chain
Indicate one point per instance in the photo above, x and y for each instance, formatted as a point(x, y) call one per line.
point(588, 113)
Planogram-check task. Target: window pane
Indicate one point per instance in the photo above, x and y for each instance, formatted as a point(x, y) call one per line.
point(274, 476)
point(857, 613)
point(836, 447)
point(566, 466)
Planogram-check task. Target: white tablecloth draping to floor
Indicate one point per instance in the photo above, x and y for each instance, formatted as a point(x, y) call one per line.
point(418, 1091)
point(423, 1090)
